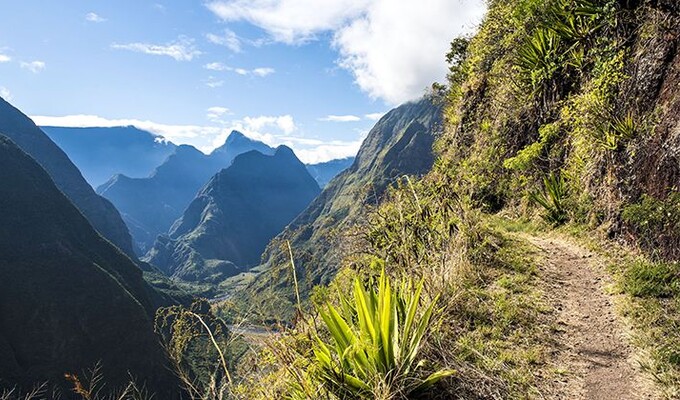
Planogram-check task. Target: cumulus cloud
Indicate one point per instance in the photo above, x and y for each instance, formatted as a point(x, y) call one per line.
point(272, 130)
point(340, 118)
point(217, 66)
point(94, 17)
point(290, 21)
point(33, 66)
point(215, 114)
point(259, 72)
point(262, 72)
point(374, 116)
point(4, 58)
point(285, 123)
point(5, 93)
point(182, 49)
point(394, 50)
point(228, 39)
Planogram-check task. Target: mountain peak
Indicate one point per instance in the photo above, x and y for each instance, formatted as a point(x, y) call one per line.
point(286, 151)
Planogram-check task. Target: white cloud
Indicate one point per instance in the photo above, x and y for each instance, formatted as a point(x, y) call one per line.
point(259, 72)
point(272, 130)
point(394, 49)
point(4, 58)
point(374, 116)
point(216, 66)
point(229, 39)
point(5, 93)
point(216, 113)
point(200, 136)
point(328, 151)
point(33, 66)
point(213, 82)
point(290, 21)
point(182, 49)
point(285, 123)
point(264, 71)
point(340, 118)
point(94, 17)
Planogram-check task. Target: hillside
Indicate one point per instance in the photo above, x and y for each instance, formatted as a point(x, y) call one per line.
point(101, 153)
point(324, 172)
point(150, 205)
point(67, 296)
point(227, 226)
point(399, 144)
point(546, 233)
point(99, 211)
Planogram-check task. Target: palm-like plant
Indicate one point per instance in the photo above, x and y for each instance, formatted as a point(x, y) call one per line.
point(551, 198)
point(376, 339)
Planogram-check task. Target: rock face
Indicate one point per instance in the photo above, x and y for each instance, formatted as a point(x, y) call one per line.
point(101, 153)
point(99, 211)
point(68, 298)
point(227, 226)
point(399, 144)
point(150, 205)
point(324, 172)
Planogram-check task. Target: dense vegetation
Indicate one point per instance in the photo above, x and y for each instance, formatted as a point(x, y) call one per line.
point(559, 116)
point(561, 112)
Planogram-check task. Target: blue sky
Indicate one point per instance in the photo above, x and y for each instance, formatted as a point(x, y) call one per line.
point(312, 74)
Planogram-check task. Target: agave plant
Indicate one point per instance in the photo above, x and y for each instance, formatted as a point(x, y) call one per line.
point(551, 198)
point(376, 339)
point(539, 54)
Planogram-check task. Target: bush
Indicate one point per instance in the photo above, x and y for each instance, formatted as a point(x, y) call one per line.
point(375, 343)
point(551, 198)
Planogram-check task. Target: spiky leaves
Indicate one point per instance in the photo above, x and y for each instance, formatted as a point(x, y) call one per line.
point(375, 341)
point(551, 198)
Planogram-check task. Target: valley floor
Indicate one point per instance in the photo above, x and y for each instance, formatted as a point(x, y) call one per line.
point(590, 353)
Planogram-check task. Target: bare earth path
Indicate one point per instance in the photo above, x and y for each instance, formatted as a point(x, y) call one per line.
point(591, 347)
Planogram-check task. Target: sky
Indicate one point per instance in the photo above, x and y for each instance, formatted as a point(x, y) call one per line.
point(312, 74)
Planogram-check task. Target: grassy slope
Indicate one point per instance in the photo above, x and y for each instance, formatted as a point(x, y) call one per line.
point(584, 90)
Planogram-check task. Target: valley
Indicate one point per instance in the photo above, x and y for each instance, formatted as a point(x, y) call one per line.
point(498, 221)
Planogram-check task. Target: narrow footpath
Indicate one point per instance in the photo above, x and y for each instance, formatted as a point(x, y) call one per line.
point(591, 347)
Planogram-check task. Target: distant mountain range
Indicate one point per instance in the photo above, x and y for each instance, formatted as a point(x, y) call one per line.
point(399, 144)
point(226, 227)
point(69, 299)
point(150, 205)
point(99, 211)
point(101, 153)
point(325, 171)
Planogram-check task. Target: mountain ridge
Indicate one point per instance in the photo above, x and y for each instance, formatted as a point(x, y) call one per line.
point(228, 224)
point(99, 211)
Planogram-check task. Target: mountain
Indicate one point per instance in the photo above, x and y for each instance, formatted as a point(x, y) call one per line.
point(68, 298)
point(325, 171)
point(150, 205)
point(101, 153)
point(99, 211)
point(226, 227)
point(399, 144)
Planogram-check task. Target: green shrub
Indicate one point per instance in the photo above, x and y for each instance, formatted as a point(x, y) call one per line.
point(376, 341)
point(645, 279)
point(551, 198)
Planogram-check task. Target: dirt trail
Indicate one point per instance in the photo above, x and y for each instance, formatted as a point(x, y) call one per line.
point(590, 345)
